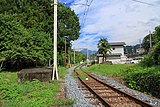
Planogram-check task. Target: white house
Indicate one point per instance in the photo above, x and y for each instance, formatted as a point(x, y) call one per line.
point(117, 56)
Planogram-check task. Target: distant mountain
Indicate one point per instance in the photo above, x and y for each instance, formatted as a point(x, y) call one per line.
point(131, 49)
point(90, 52)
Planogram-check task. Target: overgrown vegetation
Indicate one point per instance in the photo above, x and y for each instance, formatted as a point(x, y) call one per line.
point(26, 32)
point(62, 71)
point(106, 69)
point(29, 94)
point(145, 79)
point(22, 47)
point(153, 56)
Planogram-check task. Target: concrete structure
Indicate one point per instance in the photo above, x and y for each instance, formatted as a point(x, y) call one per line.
point(117, 56)
point(140, 51)
point(100, 58)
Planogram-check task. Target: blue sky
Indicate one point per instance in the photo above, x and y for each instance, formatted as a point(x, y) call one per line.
point(117, 20)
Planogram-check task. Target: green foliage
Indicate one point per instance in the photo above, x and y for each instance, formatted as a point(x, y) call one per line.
point(156, 54)
point(22, 46)
point(83, 76)
point(153, 58)
point(68, 23)
point(146, 42)
point(78, 57)
point(147, 61)
point(145, 79)
point(155, 36)
point(131, 49)
point(62, 71)
point(104, 69)
point(29, 94)
point(25, 21)
point(148, 81)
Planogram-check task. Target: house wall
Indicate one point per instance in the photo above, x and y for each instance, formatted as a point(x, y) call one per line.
point(117, 49)
point(118, 56)
point(117, 59)
point(100, 60)
point(114, 59)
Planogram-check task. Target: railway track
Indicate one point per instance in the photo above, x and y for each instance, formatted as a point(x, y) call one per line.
point(105, 95)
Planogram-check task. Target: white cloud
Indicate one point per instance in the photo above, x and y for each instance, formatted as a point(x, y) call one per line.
point(117, 20)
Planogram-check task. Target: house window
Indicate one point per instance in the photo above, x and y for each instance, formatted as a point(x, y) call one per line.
point(113, 48)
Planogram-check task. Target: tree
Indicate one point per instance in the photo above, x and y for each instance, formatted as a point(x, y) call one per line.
point(157, 34)
point(68, 26)
point(78, 56)
point(156, 54)
point(155, 37)
point(21, 47)
point(37, 15)
point(103, 48)
point(146, 42)
point(154, 57)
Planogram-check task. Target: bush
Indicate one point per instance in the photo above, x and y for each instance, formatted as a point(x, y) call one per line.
point(148, 61)
point(146, 82)
point(22, 47)
point(153, 58)
point(156, 54)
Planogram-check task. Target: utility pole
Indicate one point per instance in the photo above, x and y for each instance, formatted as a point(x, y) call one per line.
point(140, 43)
point(92, 56)
point(65, 53)
point(55, 69)
point(74, 56)
point(87, 53)
point(150, 39)
point(69, 59)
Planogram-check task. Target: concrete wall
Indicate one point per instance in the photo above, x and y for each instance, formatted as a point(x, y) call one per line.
point(117, 49)
point(114, 60)
point(117, 59)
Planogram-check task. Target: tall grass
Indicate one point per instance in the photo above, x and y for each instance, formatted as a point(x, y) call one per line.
point(145, 79)
point(104, 69)
point(29, 94)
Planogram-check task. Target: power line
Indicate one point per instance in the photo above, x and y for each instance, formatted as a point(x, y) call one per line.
point(87, 5)
point(91, 2)
point(81, 4)
point(86, 13)
point(143, 2)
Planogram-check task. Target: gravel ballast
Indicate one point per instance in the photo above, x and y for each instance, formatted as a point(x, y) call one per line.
point(75, 93)
point(139, 95)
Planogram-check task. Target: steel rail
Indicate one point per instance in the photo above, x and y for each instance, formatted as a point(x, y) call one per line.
point(96, 94)
point(144, 104)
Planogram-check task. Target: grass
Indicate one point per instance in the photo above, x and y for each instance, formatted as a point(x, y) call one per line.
point(62, 71)
point(105, 69)
point(118, 69)
point(29, 94)
point(145, 79)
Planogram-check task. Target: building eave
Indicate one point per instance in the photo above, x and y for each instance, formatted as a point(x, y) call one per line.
point(117, 43)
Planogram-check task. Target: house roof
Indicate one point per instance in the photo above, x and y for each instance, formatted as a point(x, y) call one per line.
point(117, 43)
point(115, 54)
